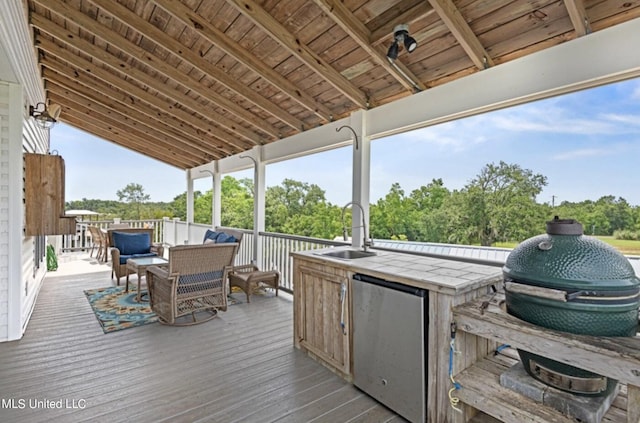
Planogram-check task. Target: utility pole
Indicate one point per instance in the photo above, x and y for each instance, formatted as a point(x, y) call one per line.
point(553, 201)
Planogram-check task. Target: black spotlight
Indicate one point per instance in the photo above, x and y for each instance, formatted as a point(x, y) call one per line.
point(401, 35)
point(393, 51)
point(410, 43)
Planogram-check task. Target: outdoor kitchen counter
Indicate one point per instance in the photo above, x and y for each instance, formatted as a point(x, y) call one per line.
point(433, 274)
point(323, 313)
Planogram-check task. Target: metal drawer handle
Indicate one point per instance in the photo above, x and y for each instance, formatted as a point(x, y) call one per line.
point(343, 296)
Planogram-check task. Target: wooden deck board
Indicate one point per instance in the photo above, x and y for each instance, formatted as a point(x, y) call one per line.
point(241, 366)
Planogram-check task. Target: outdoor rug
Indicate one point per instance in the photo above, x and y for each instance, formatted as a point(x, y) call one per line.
point(117, 310)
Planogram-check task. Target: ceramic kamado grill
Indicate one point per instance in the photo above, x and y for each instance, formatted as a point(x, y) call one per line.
point(569, 282)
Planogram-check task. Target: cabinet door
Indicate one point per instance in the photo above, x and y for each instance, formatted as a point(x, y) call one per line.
point(44, 196)
point(322, 321)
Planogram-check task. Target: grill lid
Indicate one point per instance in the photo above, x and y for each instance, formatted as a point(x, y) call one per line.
point(565, 259)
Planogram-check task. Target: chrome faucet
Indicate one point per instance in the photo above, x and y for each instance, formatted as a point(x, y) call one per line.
point(367, 242)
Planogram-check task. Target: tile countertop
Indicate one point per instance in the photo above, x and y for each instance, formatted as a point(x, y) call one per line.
point(435, 274)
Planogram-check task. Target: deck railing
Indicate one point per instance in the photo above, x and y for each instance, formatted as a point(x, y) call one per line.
point(277, 248)
point(81, 240)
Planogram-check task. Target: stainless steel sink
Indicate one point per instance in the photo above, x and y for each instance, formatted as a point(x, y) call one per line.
point(349, 254)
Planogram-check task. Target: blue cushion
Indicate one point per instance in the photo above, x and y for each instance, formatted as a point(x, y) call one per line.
point(131, 243)
point(212, 235)
point(222, 237)
point(123, 259)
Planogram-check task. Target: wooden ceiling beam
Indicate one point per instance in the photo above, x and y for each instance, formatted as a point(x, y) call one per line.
point(64, 97)
point(462, 32)
point(167, 121)
point(103, 130)
point(191, 57)
point(129, 117)
point(136, 97)
point(278, 32)
point(578, 16)
point(126, 70)
point(350, 24)
point(219, 39)
point(80, 122)
point(94, 89)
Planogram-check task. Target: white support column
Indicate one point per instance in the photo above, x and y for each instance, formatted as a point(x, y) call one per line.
point(216, 204)
point(361, 177)
point(189, 202)
point(259, 201)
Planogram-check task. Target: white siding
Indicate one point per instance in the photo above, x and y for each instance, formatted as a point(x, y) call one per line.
point(20, 86)
point(4, 209)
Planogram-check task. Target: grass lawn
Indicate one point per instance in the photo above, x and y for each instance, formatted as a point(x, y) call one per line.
point(630, 248)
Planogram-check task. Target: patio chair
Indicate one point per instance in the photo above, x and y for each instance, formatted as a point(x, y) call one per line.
point(194, 282)
point(98, 239)
point(126, 243)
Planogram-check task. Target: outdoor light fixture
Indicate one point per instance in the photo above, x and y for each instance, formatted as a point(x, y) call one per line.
point(401, 35)
point(45, 117)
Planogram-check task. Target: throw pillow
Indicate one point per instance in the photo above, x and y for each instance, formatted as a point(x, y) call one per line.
point(222, 237)
point(210, 236)
point(131, 243)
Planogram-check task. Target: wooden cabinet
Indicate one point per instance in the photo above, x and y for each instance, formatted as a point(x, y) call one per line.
point(322, 314)
point(44, 196)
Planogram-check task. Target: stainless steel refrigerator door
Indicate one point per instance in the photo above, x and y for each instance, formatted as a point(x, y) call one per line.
point(389, 348)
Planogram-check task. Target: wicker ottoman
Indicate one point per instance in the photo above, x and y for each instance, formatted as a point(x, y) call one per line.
point(248, 277)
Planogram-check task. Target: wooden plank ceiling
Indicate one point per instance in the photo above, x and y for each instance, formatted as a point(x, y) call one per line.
point(190, 81)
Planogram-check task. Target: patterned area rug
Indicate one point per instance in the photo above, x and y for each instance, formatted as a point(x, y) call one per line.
point(117, 310)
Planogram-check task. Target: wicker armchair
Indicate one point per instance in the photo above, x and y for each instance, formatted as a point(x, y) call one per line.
point(119, 261)
point(196, 281)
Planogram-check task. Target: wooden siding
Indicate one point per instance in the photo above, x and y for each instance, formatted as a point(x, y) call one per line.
point(241, 366)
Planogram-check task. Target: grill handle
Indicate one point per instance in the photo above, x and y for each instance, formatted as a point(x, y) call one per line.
point(618, 297)
point(537, 291)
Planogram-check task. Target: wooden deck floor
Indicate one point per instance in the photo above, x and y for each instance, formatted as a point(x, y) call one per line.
point(240, 367)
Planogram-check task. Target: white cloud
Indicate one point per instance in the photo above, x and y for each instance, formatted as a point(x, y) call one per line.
point(581, 153)
point(452, 136)
point(549, 118)
point(625, 119)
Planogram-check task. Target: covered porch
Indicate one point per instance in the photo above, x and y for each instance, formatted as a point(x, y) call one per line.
point(214, 102)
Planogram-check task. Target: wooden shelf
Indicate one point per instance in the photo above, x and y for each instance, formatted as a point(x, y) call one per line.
point(481, 390)
point(617, 357)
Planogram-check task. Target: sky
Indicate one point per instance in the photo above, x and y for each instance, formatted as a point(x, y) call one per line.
point(587, 144)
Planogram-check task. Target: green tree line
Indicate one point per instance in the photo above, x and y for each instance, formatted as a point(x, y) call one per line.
point(498, 205)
